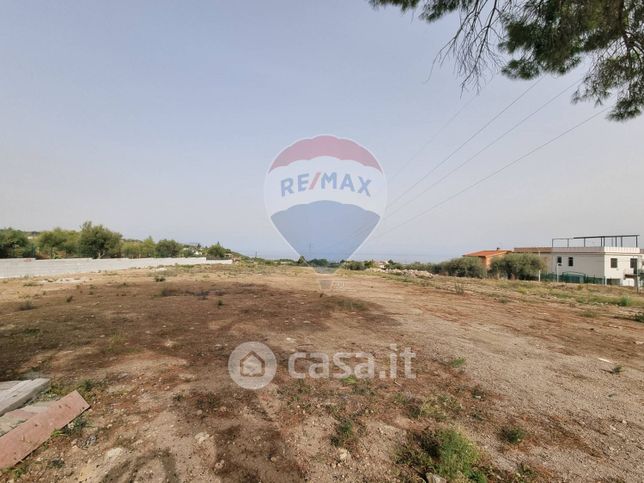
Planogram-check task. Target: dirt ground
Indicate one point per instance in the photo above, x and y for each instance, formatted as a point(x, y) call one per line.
point(546, 381)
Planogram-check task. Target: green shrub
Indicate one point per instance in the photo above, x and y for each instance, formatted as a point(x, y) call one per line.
point(522, 266)
point(462, 267)
point(512, 434)
point(357, 265)
point(458, 362)
point(168, 248)
point(217, 252)
point(96, 241)
point(624, 301)
point(445, 452)
point(26, 305)
point(345, 434)
point(13, 243)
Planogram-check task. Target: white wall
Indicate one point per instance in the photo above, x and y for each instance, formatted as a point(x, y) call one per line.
point(26, 267)
point(595, 261)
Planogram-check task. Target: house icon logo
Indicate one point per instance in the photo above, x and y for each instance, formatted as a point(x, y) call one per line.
point(252, 365)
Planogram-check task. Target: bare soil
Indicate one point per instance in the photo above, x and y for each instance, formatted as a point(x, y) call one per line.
point(151, 358)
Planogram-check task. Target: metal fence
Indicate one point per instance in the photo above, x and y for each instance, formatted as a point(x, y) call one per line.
point(572, 277)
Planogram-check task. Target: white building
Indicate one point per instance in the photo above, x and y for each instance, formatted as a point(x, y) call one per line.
point(608, 259)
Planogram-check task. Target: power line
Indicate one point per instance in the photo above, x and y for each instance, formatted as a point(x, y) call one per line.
point(486, 147)
point(432, 139)
point(494, 173)
point(481, 129)
point(464, 143)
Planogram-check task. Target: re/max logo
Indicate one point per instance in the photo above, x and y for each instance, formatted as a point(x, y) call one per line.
point(304, 182)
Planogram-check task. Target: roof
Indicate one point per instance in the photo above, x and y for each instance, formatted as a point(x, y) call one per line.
point(487, 253)
point(533, 249)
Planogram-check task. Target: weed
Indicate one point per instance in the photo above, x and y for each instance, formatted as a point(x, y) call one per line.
point(88, 387)
point(202, 294)
point(56, 463)
point(401, 398)
point(295, 392)
point(345, 434)
point(26, 305)
point(524, 474)
point(168, 292)
point(220, 303)
point(31, 283)
point(159, 278)
point(445, 452)
point(31, 331)
point(617, 370)
point(512, 434)
point(115, 343)
point(458, 362)
point(639, 317)
point(503, 300)
point(69, 298)
point(76, 426)
point(437, 407)
point(208, 402)
point(459, 288)
point(478, 393)
point(18, 472)
point(589, 314)
point(624, 301)
point(426, 409)
point(350, 380)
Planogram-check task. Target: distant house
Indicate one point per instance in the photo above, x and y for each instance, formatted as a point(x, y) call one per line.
point(600, 257)
point(486, 256)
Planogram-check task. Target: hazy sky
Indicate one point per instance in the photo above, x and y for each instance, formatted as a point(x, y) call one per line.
point(161, 118)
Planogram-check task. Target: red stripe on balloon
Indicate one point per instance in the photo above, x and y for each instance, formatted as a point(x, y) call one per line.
point(325, 146)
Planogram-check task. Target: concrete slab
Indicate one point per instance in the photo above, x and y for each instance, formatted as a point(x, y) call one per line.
point(10, 420)
point(6, 385)
point(20, 392)
point(18, 443)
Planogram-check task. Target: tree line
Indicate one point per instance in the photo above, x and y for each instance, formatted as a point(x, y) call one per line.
point(519, 266)
point(96, 241)
point(514, 266)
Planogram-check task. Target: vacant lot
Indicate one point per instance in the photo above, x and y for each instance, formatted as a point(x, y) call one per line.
point(514, 381)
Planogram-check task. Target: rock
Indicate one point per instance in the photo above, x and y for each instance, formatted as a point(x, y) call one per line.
point(89, 441)
point(431, 478)
point(201, 437)
point(343, 454)
point(114, 453)
point(219, 465)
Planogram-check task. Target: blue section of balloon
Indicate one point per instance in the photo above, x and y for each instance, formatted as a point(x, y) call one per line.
point(325, 229)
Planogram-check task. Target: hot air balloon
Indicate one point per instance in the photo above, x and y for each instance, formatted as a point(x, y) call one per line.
point(325, 196)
